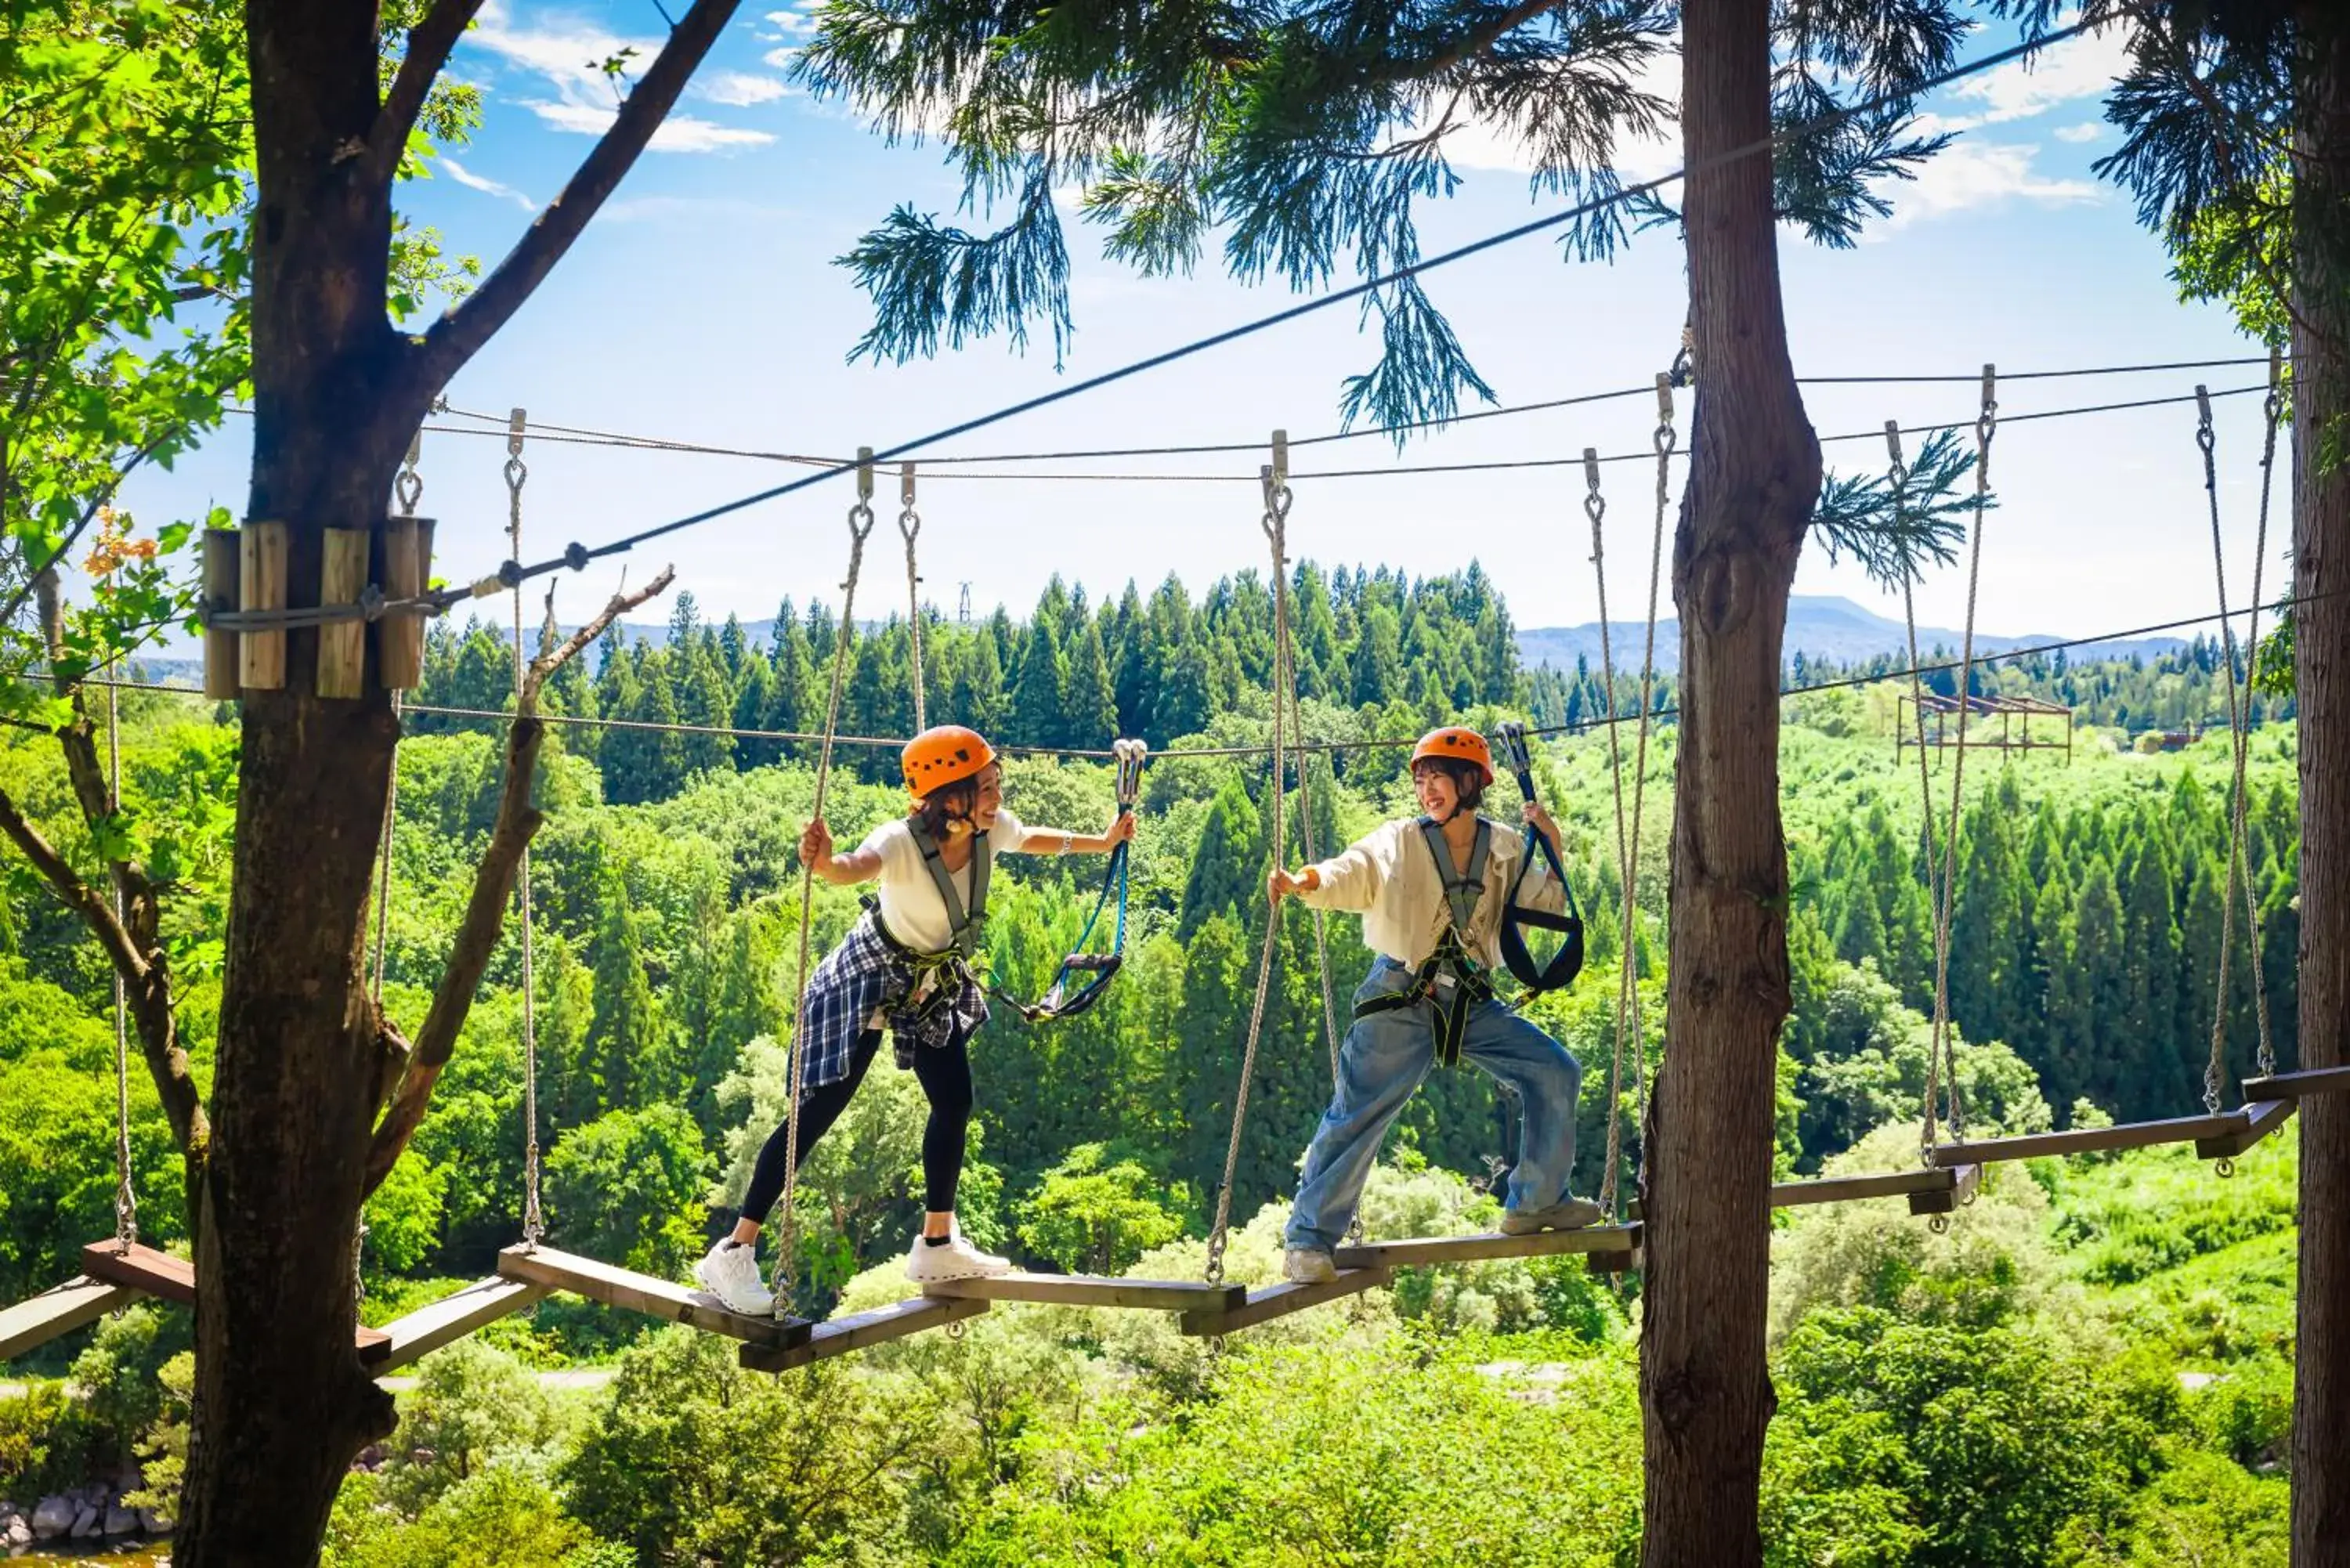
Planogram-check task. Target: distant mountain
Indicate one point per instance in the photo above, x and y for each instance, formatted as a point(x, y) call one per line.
point(1819, 625)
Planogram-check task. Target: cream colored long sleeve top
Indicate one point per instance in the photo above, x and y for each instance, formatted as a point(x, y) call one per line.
point(1391, 878)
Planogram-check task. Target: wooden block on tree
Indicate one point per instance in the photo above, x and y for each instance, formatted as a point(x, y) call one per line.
point(636, 1293)
point(2291, 1086)
point(1093, 1290)
point(406, 568)
point(260, 585)
point(342, 644)
point(2086, 1140)
point(2254, 1122)
point(451, 1318)
point(843, 1335)
point(57, 1312)
point(222, 561)
point(1436, 1251)
point(1279, 1301)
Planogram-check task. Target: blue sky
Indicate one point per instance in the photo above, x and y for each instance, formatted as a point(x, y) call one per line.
point(703, 306)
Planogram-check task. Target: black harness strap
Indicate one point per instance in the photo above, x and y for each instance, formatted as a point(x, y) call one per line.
point(965, 927)
point(1451, 979)
point(1566, 962)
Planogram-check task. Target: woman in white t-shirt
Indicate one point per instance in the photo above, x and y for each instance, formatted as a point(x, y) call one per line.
point(904, 967)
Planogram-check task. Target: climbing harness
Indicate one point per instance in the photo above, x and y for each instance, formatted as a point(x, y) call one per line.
point(1060, 1001)
point(1449, 979)
point(860, 526)
point(1567, 962)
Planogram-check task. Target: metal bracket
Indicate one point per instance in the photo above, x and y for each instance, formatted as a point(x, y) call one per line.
point(515, 425)
point(1130, 755)
point(865, 476)
point(905, 484)
point(1893, 442)
point(1513, 736)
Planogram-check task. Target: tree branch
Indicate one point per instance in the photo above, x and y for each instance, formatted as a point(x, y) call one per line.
point(473, 321)
point(485, 909)
point(92, 790)
point(429, 43)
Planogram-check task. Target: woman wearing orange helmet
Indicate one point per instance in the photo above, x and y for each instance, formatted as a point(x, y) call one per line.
point(905, 966)
point(1430, 891)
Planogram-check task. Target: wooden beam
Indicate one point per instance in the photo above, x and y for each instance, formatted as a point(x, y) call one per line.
point(1279, 1301)
point(1093, 1290)
point(2088, 1140)
point(2290, 1086)
point(170, 1278)
point(451, 1318)
point(843, 1335)
point(141, 1268)
point(1945, 1200)
point(57, 1312)
point(636, 1293)
point(1629, 1260)
point(2256, 1121)
point(1441, 1249)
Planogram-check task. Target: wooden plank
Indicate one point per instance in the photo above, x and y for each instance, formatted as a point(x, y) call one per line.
point(1964, 1181)
point(1279, 1301)
point(57, 1312)
point(260, 585)
point(2255, 1122)
point(342, 644)
point(1441, 1250)
point(2087, 1140)
point(1094, 1291)
point(406, 568)
point(636, 1293)
point(451, 1318)
point(142, 1268)
point(1926, 1179)
point(170, 1278)
point(2289, 1085)
point(221, 556)
point(843, 1335)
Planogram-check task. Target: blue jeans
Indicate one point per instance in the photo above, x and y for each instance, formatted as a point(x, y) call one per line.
point(1383, 1060)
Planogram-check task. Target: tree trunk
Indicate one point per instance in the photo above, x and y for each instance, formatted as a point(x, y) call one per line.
point(2321, 419)
point(1755, 477)
point(282, 1404)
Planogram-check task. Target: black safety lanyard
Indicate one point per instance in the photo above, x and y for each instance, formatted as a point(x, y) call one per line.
point(1535, 975)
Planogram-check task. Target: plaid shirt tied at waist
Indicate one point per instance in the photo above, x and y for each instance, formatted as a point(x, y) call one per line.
point(869, 973)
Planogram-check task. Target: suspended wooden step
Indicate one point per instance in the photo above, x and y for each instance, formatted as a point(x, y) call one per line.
point(57, 1312)
point(451, 1318)
point(1931, 1188)
point(2220, 1137)
point(1095, 1291)
point(843, 1335)
point(1437, 1251)
point(632, 1292)
point(1270, 1302)
point(159, 1274)
point(2291, 1086)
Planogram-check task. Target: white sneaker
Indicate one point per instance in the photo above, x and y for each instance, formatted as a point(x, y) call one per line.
point(956, 1260)
point(731, 1275)
point(1309, 1266)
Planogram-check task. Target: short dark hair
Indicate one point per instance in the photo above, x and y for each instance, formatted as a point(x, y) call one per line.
point(953, 802)
point(1468, 778)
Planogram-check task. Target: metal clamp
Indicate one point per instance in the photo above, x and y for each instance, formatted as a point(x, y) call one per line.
point(1516, 756)
point(1130, 755)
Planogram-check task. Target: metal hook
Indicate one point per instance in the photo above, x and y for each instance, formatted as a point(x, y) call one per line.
point(1893, 444)
point(515, 425)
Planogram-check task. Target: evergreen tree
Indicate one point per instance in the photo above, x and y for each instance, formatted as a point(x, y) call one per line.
point(1092, 705)
point(755, 703)
point(2101, 964)
point(1378, 658)
point(1040, 696)
point(1228, 869)
point(628, 1047)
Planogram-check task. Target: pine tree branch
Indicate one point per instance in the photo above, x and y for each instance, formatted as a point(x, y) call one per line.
point(429, 43)
point(474, 320)
point(484, 925)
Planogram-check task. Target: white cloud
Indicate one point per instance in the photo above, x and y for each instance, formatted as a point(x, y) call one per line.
point(568, 55)
point(678, 133)
point(488, 187)
point(2092, 131)
point(781, 59)
point(796, 21)
point(2074, 69)
point(1979, 174)
point(740, 90)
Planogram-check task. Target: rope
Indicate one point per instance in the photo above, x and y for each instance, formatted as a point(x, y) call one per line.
point(1276, 523)
point(1595, 507)
point(125, 1200)
point(910, 524)
point(1940, 1047)
point(1665, 442)
point(1897, 479)
point(860, 524)
point(533, 1217)
point(1366, 287)
point(2272, 411)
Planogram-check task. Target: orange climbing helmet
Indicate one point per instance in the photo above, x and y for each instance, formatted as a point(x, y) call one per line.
point(942, 755)
point(1457, 743)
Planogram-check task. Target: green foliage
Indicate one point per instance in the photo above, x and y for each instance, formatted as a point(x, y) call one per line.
point(45, 1440)
point(504, 1516)
point(1094, 1216)
point(629, 1187)
point(472, 1404)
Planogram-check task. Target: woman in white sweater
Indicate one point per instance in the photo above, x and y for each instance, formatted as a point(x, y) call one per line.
point(1430, 891)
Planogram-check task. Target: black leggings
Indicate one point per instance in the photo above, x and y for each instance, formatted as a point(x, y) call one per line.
point(944, 1073)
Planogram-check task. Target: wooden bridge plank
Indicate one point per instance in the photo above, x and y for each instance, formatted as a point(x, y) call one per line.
point(2089, 1140)
point(1270, 1302)
point(57, 1312)
point(2290, 1086)
point(843, 1335)
point(632, 1292)
point(1436, 1251)
point(1094, 1291)
point(453, 1317)
point(2257, 1120)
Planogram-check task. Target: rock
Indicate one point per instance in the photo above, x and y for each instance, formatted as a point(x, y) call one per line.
point(52, 1518)
point(85, 1523)
point(20, 1532)
point(121, 1520)
point(370, 1457)
point(153, 1523)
